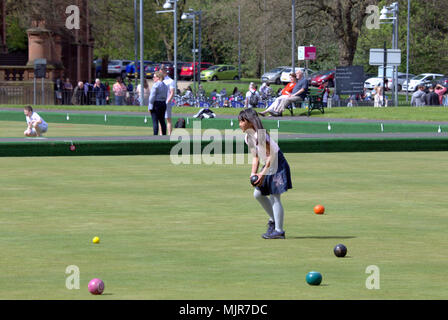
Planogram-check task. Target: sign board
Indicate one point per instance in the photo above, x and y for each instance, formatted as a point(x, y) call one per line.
point(389, 71)
point(40, 68)
point(306, 53)
point(349, 80)
point(377, 57)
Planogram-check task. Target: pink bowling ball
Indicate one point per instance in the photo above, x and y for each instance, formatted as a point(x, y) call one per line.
point(96, 286)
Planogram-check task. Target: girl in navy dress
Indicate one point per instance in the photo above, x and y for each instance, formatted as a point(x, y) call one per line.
point(274, 178)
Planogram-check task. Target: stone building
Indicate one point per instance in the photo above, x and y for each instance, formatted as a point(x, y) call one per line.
point(68, 52)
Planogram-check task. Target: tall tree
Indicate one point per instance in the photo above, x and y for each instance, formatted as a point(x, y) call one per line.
point(346, 18)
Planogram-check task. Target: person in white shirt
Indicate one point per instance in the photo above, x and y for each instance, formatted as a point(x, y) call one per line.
point(274, 178)
point(36, 125)
point(171, 90)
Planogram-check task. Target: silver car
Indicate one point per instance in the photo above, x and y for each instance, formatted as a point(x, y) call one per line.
point(118, 67)
point(273, 76)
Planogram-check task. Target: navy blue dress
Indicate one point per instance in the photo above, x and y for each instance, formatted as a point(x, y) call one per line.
point(280, 181)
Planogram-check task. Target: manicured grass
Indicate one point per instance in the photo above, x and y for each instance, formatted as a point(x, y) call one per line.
point(14, 129)
point(390, 113)
point(193, 231)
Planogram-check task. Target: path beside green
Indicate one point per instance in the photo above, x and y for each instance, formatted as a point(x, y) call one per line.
point(390, 113)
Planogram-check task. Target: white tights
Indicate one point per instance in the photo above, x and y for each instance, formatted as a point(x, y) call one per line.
point(273, 207)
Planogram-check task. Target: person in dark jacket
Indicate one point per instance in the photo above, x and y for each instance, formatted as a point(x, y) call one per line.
point(78, 97)
point(432, 98)
point(99, 90)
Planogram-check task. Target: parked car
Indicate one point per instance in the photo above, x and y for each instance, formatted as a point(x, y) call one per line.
point(220, 72)
point(187, 69)
point(371, 83)
point(273, 76)
point(421, 79)
point(150, 69)
point(320, 77)
point(401, 79)
point(284, 78)
point(442, 81)
point(130, 68)
point(118, 67)
point(170, 66)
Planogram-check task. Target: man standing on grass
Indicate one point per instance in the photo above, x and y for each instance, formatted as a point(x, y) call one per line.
point(36, 125)
point(170, 84)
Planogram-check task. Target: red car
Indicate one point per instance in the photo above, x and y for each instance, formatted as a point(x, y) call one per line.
point(320, 77)
point(187, 70)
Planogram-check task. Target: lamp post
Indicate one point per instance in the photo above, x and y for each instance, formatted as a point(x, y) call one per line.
point(293, 35)
point(407, 50)
point(141, 54)
point(168, 5)
point(135, 43)
point(385, 18)
point(192, 15)
point(239, 42)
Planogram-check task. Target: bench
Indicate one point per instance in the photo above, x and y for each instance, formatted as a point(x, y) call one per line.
point(315, 100)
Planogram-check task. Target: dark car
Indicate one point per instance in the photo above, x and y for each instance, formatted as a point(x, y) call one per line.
point(130, 68)
point(320, 77)
point(150, 69)
point(442, 81)
point(170, 66)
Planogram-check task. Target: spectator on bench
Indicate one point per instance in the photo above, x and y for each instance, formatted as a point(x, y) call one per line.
point(287, 90)
point(298, 93)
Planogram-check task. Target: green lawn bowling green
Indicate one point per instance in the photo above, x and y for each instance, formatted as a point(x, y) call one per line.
point(194, 231)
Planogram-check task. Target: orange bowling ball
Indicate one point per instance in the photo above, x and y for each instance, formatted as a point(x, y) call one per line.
point(319, 209)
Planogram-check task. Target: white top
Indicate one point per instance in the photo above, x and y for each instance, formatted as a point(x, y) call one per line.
point(378, 100)
point(35, 117)
point(258, 147)
point(170, 84)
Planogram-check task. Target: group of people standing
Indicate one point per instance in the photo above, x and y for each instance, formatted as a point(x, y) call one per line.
point(432, 96)
point(160, 102)
point(97, 92)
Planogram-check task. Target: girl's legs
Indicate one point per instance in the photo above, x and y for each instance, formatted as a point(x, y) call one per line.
point(265, 203)
point(274, 208)
point(278, 212)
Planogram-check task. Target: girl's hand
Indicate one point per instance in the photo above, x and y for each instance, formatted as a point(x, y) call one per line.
point(260, 180)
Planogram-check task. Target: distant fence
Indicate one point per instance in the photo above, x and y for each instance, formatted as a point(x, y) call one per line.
point(24, 94)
